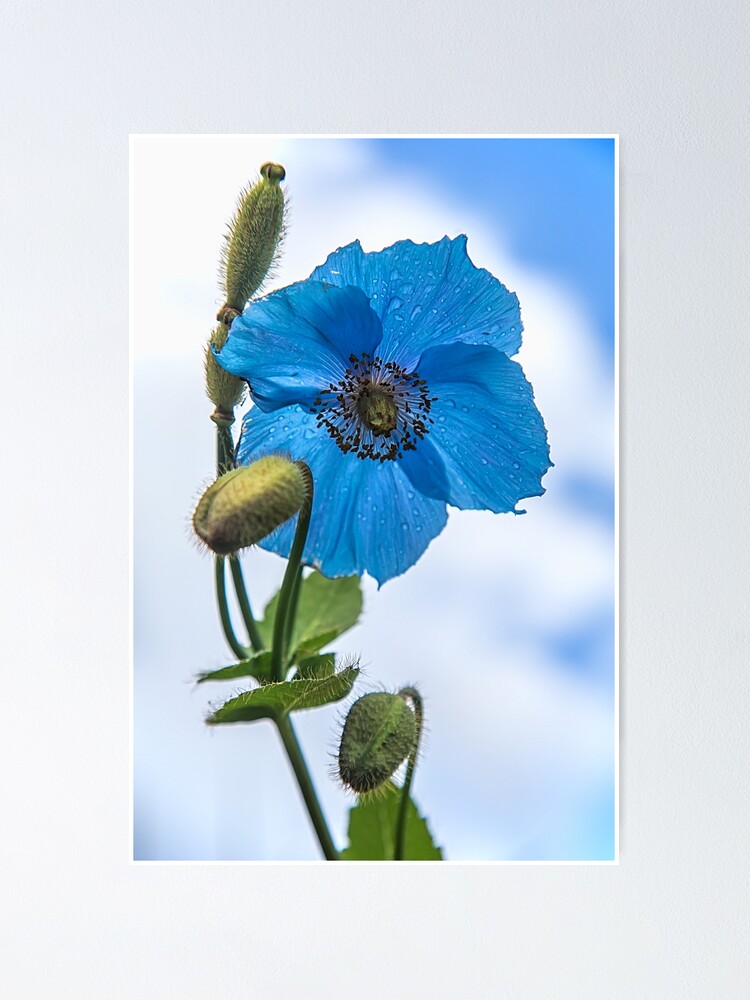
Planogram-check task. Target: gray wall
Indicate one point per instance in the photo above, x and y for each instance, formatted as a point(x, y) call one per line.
point(670, 921)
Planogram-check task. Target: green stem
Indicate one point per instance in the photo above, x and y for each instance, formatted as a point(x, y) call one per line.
point(224, 462)
point(256, 640)
point(292, 615)
point(226, 622)
point(413, 695)
point(224, 449)
point(292, 747)
point(280, 630)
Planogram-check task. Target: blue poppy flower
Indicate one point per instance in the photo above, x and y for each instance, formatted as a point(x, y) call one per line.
point(389, 374)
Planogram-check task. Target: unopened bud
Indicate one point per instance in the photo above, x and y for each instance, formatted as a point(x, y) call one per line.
point(252, 240)
point(224, 390)
point(380, 732)
point(248, 503)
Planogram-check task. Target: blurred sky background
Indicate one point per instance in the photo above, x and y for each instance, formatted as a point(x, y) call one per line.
point(506, 624)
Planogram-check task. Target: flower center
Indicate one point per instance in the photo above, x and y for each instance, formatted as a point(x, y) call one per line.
point(378, 410)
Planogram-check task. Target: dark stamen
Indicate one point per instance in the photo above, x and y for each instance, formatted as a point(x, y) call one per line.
point(378, 410)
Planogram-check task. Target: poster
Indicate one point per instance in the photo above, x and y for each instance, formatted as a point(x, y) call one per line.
point(504, 623)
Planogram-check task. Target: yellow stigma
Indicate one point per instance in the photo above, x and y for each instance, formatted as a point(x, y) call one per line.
point(377, 410)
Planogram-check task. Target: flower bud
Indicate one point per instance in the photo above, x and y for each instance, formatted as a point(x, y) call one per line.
point(248, 503)
point(379, 733)
point(252, 240)
point(224, 390)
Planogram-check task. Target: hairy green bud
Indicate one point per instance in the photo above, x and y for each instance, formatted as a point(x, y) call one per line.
point(223, 389)
point(246, 504)
point(253, 240)
point(379, 733)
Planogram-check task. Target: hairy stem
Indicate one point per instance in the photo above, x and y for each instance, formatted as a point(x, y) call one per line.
point(224, 449)
point(413, 695)
point(296, 759)
point(226, 622)
point(256, 640)
point(282, 630)
point(292, 614)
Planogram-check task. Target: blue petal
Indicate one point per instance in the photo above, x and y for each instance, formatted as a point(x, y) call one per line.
point(487, 448)
point(367, 516)
point(428, 294)
point(296, 341)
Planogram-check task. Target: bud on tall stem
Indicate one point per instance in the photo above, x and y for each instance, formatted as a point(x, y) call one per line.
point(223, 389)
point(380, 732)
point(252, 240)
point(246, 504)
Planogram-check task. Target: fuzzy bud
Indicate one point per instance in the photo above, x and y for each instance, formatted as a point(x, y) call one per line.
point(379, 733)
point(224, 390)
point(252, 240)
point(248, 503)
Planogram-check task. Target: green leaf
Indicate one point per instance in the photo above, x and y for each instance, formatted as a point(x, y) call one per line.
point(325, 609)
point(317, 642)
point(257, 666)
point(372, 830)
point(316, 667)
point(282, 697)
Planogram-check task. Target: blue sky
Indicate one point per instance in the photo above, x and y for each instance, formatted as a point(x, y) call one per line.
point(506, 623)
point(554, 197)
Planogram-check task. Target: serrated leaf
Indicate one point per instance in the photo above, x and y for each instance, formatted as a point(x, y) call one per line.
point(257, 666)
point(372, 830)
point(325, 609)
point(282, 697)
point(316, 667)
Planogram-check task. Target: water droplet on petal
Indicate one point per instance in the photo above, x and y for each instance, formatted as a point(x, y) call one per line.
point(516, 465)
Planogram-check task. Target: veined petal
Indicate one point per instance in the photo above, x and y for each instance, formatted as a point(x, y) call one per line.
point(296, 341)
point(487, 448)
point(367, 516)
point(428, 294)
point(393, 522)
